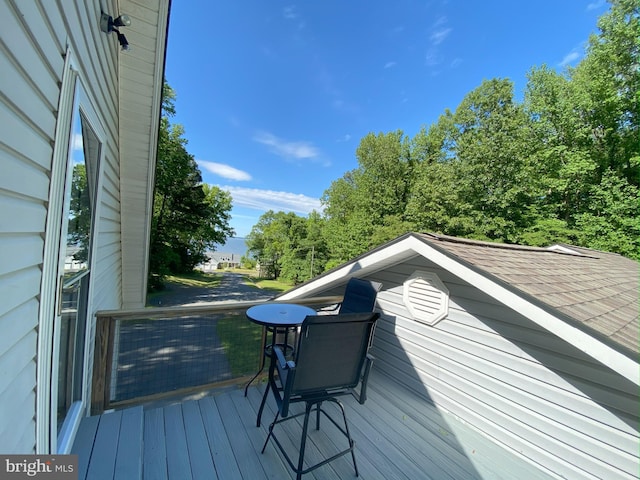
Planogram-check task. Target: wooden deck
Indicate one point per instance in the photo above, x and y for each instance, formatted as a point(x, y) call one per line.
point(398, 434)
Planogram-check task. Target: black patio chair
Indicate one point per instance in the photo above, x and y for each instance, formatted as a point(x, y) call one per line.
point(359, 297)
point(330, 360)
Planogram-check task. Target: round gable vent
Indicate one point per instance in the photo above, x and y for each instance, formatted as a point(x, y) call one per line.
point(426, 297)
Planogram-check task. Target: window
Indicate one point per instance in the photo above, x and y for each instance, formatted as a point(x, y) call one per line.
point(77, 229)
point(426, 297)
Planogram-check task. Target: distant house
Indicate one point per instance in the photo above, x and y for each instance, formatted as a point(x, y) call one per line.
point(218, 260)
point(536, 348)
point(74, 107)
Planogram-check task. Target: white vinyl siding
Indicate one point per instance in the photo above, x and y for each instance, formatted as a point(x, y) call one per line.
point(27, 114)
point(522, 386)
point(48, 49)
point(35, 36)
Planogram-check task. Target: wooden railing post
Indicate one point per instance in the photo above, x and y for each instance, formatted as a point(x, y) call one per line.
point(102, 358)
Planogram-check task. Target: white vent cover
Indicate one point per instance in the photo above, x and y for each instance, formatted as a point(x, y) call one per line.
point(426, 297)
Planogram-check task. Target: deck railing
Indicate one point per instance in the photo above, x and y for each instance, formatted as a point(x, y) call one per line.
point(147, 354)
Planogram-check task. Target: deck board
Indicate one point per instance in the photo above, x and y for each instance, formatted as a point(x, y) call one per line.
point(103, 467)
point(240, 438)
point(130, 442)
point(154, 448)
point(399, 435)
point(83, 445)
point(178, 462)
point(224, 460)
point(199, 453)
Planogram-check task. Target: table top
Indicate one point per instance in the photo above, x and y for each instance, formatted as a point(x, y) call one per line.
point(279, 314)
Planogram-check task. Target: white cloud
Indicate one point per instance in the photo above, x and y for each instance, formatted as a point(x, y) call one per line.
point(287, 149)
point(439, 33)
point(272, 200)
point(595, 5)
point(431, 58)
point(224, 171)
point(442, 19)
point(569, 58)
point(76, 141)
point(290, 12)
point(439, 36)
point(389, 64)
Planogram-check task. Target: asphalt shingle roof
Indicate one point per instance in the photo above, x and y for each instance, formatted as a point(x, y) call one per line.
point(597, 289)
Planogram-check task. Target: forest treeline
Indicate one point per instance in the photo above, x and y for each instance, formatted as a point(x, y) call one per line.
point(559, 166)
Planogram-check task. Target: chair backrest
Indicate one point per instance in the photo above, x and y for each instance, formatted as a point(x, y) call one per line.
point(359, 296)
point(331, 351)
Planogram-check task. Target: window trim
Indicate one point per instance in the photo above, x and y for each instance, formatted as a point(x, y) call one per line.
point(74, 101)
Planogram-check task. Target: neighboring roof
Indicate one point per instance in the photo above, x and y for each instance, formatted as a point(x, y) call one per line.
point(222, 257)
point(587, 297)
point(598, 289)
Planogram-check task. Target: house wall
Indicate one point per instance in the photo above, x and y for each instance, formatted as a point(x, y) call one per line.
point(509, 378)
point(34, 38)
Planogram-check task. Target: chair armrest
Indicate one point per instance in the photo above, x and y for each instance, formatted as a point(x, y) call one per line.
point(286, 374)
point(368, 362)
point(282, 362)
point(330, 308)
point(282, 365)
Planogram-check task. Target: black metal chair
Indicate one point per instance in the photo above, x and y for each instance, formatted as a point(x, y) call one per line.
point(331, 359)
point(359, 296)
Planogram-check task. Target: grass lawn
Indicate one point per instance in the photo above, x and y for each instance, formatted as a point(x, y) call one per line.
point(274, 285)
point(242, 341)
point(196, 279)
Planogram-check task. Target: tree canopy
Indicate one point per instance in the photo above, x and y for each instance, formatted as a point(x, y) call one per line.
point(189, 217)
point(560, 166)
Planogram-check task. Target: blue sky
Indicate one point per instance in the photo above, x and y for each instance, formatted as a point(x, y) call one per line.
point(275, 96)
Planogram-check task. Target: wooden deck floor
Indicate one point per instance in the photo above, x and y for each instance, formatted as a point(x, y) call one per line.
point(398, 435)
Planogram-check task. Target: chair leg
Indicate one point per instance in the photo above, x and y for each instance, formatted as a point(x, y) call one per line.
point(303, 441)
point(264, 400)
point(309, 406)
point(318, 415)
point(351, 442)
point(275, 420)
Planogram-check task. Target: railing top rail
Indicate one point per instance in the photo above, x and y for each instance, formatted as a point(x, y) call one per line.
point(154, 312)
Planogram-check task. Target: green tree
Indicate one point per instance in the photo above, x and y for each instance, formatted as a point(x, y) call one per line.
point(268, 241)
point(586, 136)
point(288, 246)
point(474, 177)
point(609, 80)
point(79, 214)
point(348, 228)
point(366, 206)
point(188, 218)
point(611, 221)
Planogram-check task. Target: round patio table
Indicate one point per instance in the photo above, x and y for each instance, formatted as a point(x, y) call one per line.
point(277, 318)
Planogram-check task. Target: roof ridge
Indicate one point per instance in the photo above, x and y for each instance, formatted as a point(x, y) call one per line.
point(499, 245)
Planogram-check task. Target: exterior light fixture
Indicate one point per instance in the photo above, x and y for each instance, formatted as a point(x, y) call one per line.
point(108, 25)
